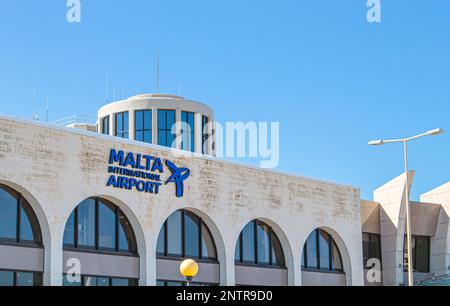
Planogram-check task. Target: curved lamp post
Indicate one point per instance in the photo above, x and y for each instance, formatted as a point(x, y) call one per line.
point(407, 205)
point(189, 270)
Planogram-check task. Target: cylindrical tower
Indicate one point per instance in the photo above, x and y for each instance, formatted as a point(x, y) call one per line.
point(158, 119)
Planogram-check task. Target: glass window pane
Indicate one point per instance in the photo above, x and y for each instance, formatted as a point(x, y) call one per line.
point(192, 231)
point(324, 250)
point(103, 282)
point(25, 279)
point(248, 243)
point(162, 139)
point(366, 247)
point(148, 120)
point(337, 262)
point(422, 255)
point(162, 119)
point(277, 251)
point(170, 119)
point(120, 282)
point(67, 283)
point(160, 248)
point(139, 136)
point(171, 140)
point(119, 124)
point(8, 215)
point(312, 251)
point(106, 226)
point(147, 137)
point(90, 281)
point(208, 246)
point(237, 254)
point(86, 223)
point(6, 279)
point(125, 122)
point(127, 241)
point(263, 243)
point(139, 120)
point(26, 230)
point(174, 234)
point(69, 231)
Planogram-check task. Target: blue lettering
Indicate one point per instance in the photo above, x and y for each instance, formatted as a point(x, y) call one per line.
point(158, 165)
point(116, 157)
point(130, 161)
point(112, 181)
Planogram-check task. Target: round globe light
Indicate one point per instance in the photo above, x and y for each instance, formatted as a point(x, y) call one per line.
point(189, 268)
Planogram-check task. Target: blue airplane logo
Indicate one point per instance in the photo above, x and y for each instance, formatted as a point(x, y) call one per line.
point(179, 175)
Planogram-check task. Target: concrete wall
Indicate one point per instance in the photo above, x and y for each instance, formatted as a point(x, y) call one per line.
point(169, 270)
point(259, 276)
point(370, 217)
point(323, 279)
point(57, 168)
point(440, 243)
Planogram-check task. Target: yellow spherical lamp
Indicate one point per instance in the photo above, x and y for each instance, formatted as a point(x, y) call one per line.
point(189, 269)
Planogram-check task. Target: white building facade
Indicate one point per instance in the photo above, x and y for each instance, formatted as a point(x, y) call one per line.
point(117, 207)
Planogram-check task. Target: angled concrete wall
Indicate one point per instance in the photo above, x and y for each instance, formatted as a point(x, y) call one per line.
point(440, 244)
point(391, 197)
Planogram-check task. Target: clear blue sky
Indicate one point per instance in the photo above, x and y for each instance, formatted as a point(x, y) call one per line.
point(330, 78)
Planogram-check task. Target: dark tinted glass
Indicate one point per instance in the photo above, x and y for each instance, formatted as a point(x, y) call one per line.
point(69, 232)
point(6, 279)
point(192, 235)
point(106, 226)
point(263, 243)
point(248, 243)
point(86, 223)
point(8, 215)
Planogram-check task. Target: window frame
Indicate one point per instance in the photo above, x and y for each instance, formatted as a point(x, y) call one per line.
point(36, 274)
point(205, 134)
point(202, 225)
point(110, 280)
point(105, 124)
point(255, 263)
point(166, 130)
point(372, 237)
point(190, 137)
point(415, 250)
point(143, 130)
point(132, 245)
point(123, 131)
point(331, 249)
point(22, 203)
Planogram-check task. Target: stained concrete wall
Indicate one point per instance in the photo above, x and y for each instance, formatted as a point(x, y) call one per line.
point(58, 168)
point(440, 243)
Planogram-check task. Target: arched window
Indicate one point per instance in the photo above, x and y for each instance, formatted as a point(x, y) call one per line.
point(97, 224)
point(185, 235)
point(18, 222)
point(19, 227)
point(321, 253)
point(259, 245)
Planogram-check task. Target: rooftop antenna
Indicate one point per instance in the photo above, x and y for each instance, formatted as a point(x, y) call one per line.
point(114, 93)
point(157, 72)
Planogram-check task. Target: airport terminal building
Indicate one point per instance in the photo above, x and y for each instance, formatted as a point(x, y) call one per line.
point(113, 203)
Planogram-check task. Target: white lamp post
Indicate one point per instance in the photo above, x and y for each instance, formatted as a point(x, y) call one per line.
point(407, 204)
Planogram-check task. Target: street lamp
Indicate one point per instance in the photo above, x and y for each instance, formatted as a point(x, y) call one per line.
point(189, 269)
point(405, 141)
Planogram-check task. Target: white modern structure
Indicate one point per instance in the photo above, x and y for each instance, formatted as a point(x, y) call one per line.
point(120, 209)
